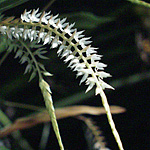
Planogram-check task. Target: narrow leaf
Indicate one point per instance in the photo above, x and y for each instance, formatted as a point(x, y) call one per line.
point(32, 75)
point(42, 117)
point(8, 4)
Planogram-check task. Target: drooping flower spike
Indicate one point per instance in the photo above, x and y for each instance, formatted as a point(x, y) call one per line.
point(73, 47)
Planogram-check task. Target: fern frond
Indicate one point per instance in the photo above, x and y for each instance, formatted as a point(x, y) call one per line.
point(72, 46)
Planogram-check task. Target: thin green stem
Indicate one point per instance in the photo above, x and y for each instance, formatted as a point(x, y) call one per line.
point(110, 120)
point(23, 106)
point(48, 5)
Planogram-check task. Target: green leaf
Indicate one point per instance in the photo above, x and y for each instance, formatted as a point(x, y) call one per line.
point(33, 75)
point(3, 148)
point(8, 4)
point(86, 20)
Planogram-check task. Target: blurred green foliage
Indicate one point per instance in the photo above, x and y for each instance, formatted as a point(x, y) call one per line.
point(8, 4)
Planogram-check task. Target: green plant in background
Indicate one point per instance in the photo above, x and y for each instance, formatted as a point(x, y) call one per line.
point(24, 36)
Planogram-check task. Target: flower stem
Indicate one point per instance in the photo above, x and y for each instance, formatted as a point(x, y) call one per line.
point(110, 120)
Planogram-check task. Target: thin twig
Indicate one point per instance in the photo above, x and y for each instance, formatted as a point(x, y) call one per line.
point(20, 105)
point(48, 5)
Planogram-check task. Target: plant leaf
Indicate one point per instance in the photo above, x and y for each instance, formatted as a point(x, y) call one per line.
point(42, 117)
point(8, 4)
point(32, 75)
point(87, 20)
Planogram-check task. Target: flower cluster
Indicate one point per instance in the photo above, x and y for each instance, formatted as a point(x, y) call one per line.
point(72, 46)
point(93, 134)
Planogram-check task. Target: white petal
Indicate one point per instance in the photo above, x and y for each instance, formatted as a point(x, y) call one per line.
point(47, 39)
point(74, 61)
point(70, 57)
point(95, 57)
point(79, 74)
point(79, 67)
point(60, 50)
point(101, 66)
point(78, 35)
point(98, 90)
point(90, 87)
point(90, 51)
point(105, 85)
point(55, 42)
point(103, 74)
point(83, 78)
point(65, 53)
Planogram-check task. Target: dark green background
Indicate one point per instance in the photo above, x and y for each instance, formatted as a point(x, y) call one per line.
point(114, 35)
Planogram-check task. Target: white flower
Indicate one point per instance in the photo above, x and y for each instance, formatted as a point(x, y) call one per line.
point(78, 35)
point(91, 50)
point(52, 21)
point(34, 16)
point(85, 73)
point(72, 45)
point(70, 57)
point(90, 82)
point(45, 17)
point(47, 38)
point(55, 42)
point(103, 74)
point(41, 35)
point(25, 16)
point(84, 41)
point(95, 57)
point(3, 29)
point(61, 24)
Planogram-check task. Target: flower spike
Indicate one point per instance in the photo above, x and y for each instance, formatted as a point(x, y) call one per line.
point(58, 39)
point(72, 46)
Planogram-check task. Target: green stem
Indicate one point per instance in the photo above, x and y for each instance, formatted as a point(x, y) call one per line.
point(110, 120)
